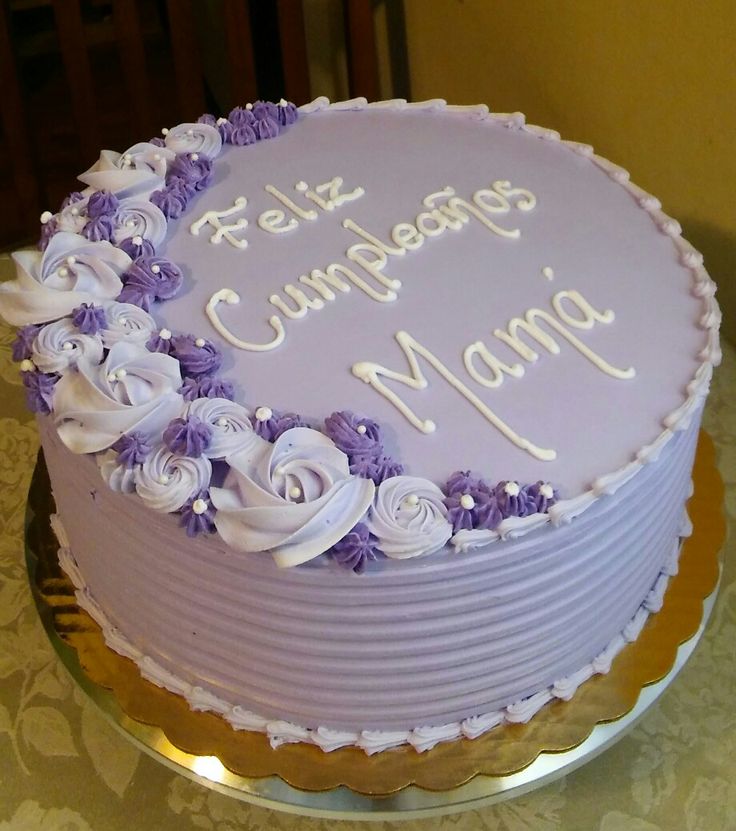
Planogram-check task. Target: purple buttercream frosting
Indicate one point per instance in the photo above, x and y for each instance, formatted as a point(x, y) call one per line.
point(39, 391)
point(207, 387)
point(157, 141)
point(265, 109)
point(74, 197)
point(514, 500)
point(23, 343)
point(240, 116)
point(149, 279)
point(539, 493)
point(356, 548)
point(99, 228)
point(279, 423)
point(238, 134)
point(376, 468)
point(132, 449)
point(188, 436)
point(195, 522)
point(483, 511)
point(89, 319)
point(287, 113)
point(194, 168)
point(207, 118)
point(48, 229)
point(135, 250)
point(354, 435)
point(197, 356)
point(102, 203)
point(158, 344)
point(170, 201)
point(266, 128)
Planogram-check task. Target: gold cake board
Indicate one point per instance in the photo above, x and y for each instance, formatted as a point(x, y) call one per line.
point(300, 778)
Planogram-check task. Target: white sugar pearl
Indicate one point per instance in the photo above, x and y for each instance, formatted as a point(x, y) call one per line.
point(546, 491)
point(467, 502)
point(165, 334)
point(164, 131)
point(362, 429)
point(194, 157)
point(157, 157)
point(264, 413)
point(190, 132)
point(295, 492)
point(26, 365)
point(138, 240)
point(156, 269)
point(121, 373)
point(279, 471)
point(221, 121)
point(67, 346)
point(248, 106)
point(163, 479)
point(74, 211)
point(46, 216)
point(63, 271)
point(128, 157)
point(123, 321)
point(511, 488)
point(200, 342)
point(130, 223)
point(112, 377)
point(412, 500)
point(301, 186)
point(70, 260)
point(199, 506)
point(222, 422)
point(282, 102)
point(548, 272)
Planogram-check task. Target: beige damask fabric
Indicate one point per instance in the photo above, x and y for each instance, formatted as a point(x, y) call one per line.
point(63, 768)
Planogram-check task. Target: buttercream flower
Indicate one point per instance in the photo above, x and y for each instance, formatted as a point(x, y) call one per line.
point(149, 279)
point(356, 549)
point(471, 502)
point(166, 481)
point(99, 228)
point(116, 475)
point(197, 356)
point(294, 499)
point(126, 322)
point(408, 517)
point(229, 423)
point(543, 494)
point(60, 345)
point(266, 128)
point(194, 138)
point(377, 468)
point(89, 318)
point(189, 436)
point(137, 172)
point(139, 218)
point(354, 435)
point(238, 134)
point(198, 515)
point(132, 390)
point(513, 500)
point(40, 389)
point(71, 271)
point(23, 343)
point(102, 203)
point(270, 424)
point(287, 113)
point(132, 449)
point(193, 168)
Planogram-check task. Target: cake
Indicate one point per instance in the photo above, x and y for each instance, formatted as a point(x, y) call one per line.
point(367, 424)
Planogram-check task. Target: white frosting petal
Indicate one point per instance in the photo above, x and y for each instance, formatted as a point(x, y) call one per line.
point(71, 271)
point(139, 176)
point(166, 480)
point(127, 322)
point(295, 498)
point(232, 430)
point(409, 517)
point(194, 138)
point(95, 406)
point(60, 345)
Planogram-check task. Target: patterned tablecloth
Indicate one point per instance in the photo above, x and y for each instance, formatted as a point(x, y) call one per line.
point(63, 768)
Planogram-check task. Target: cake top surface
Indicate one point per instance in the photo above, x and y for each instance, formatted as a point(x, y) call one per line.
point(585, 234)
point(335, 328)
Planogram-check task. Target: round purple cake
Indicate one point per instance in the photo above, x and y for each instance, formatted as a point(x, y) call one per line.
point(367, 424)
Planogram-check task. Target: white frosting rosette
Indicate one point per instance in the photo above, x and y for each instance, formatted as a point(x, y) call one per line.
point(166, 480)
point(116, 476)
point(409, 517)
point(232, 430)
point(137, 172)
point(73, 218)
point(133, 390)
point(139, 218)
point(194, 138)
point(127, 323)
point(60, 346)
point(295, 498)
point(71, 271)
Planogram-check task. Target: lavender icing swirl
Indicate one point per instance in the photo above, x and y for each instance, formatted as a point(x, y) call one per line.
point(139, 218)
point(117, 476)
point(132, 390)
point(408, 517)
point(71, 271)
point(127, 323)
point(60, 346)
point(295, 498)
point(166, 481)
point(230, 423)
point(194, 138)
